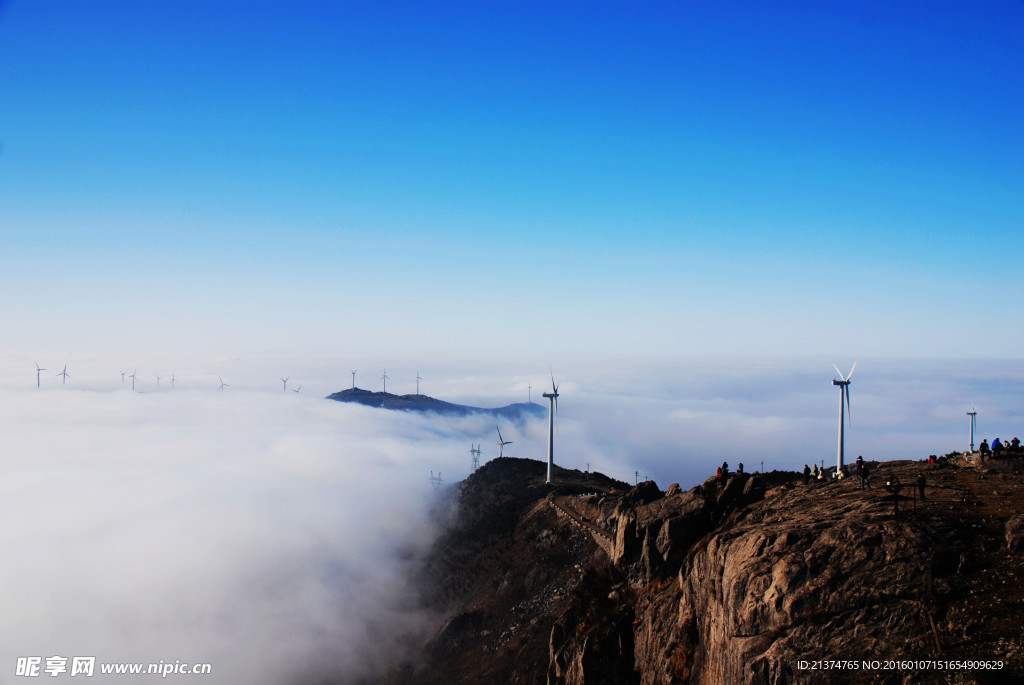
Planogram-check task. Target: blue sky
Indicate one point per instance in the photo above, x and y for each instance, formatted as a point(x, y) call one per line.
point(512, 180)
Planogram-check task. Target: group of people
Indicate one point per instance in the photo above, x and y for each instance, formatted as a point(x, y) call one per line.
point(723, 470)
point(998, 448)
point(862, 471)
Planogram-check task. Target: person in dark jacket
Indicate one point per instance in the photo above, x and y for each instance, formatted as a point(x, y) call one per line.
point(864, 473)
point(807, 474)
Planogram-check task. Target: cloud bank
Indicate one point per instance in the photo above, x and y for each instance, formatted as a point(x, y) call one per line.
point(269, 533)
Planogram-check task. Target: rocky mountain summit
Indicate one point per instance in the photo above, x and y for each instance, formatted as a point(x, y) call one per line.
point(749, 579)
point(425, 403)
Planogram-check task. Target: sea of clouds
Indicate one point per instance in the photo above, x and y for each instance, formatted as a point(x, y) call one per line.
point(271, 533)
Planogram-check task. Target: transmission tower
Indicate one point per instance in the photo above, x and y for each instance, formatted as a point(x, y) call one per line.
point(475, 451)
point(436, 480)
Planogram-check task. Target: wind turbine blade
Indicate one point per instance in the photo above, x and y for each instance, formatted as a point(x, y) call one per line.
point(851, 369)
point(846, 390)
point(838, 371)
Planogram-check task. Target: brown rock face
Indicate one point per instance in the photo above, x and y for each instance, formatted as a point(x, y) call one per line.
point(750, 580)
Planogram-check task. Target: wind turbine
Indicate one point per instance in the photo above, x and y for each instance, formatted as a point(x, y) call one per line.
point(418, 379)
point(552, 413)
point(296, 390)
point(844, 391)
point(385, 378)
point(123, 373)
point(222, 383)
point(64, 373)
point(38, 369)
point(974, 424)
point(133, 379)
point(529, 394)
point(354, 378)
point(173, 381)
point(285, 381)
point(501, 443)
point(158, 382)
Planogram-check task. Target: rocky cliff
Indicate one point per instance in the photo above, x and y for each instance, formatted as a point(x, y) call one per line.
point(751, 579)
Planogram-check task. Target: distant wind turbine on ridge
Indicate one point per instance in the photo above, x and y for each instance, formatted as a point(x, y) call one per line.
point(501, 443)
point(222, 383)
point(65, 374)
point(354, 378)
point(844, 392)
point(418, 379)
point(285, 381)
point(385, 378)
point(552, 414)
point(38, 369)
point(133, 379)
point(973, 413)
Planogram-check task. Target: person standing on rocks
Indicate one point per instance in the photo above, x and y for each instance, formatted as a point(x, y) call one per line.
point(860, 463)
point(807, 474)
point(814, 472)
point(920, 485)
point(983, 449)
point(864, 473)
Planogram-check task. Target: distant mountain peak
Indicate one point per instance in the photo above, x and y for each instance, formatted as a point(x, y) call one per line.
point(425, 403)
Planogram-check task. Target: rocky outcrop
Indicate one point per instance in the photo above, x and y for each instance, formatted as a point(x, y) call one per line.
point(1015, 533)
point(734, 581)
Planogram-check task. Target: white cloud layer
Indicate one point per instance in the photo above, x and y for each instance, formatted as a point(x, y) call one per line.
point(263, 531)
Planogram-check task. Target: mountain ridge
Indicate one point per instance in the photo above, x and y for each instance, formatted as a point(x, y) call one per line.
point(425, 403)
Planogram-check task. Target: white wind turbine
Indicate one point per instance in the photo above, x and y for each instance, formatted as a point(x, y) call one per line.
point(123, 374)
point(65, 374)
point(158, 382)
point(844, 391)
point(385, 378)
point(285, 381)
point(297, 390)
point(501, 443)
point(133, 379)
point(552, 413)
point(222, 383)
point(173, 381)
point(38, 369)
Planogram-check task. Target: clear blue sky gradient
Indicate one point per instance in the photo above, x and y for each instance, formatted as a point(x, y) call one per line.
point(514, 179)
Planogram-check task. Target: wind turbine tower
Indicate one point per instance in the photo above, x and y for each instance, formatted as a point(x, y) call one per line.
point(64, 373)
point(501, 443)
point(123, 374)
point(354, 379)
point(418, 379)
point(974, 424)
point(38, 369)
point(285, 381)
point(385, 378)
point(844, 392)
point(133, 379)
point(552, 412)
point(173, 381)
point(158, 382)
